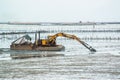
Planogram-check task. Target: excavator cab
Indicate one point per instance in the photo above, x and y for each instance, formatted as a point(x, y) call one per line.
point(43, 42)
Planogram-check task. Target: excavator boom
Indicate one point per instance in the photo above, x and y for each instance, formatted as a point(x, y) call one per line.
point(52, 40)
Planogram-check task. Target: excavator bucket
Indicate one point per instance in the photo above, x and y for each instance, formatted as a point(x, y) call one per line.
point(92, 49)
point(88, 46)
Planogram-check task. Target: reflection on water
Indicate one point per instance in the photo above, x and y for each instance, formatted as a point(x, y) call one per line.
point(85, 67)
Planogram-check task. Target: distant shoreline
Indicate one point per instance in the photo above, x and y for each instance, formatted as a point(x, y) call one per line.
point(58, 23)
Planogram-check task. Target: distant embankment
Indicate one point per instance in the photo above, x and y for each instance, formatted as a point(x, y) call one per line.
point(55, 31)
point(83, 38)
point(49, 23)
point(23, 32)
point(57, 23)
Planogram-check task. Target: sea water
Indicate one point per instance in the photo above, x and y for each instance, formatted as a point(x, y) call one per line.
point(78, 63)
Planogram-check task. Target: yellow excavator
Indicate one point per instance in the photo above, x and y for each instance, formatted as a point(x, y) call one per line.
point(51, 41)
point(45, 44)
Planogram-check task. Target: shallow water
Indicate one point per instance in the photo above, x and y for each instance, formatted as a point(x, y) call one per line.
point(105, 66)
point(78, 63)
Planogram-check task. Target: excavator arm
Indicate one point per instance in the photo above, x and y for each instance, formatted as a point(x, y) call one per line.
point(52, 40)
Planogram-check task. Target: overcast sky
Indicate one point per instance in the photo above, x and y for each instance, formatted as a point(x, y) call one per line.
point(59, 10)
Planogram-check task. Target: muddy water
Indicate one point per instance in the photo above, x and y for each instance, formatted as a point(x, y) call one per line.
point(78, 63)
point(77, 67)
